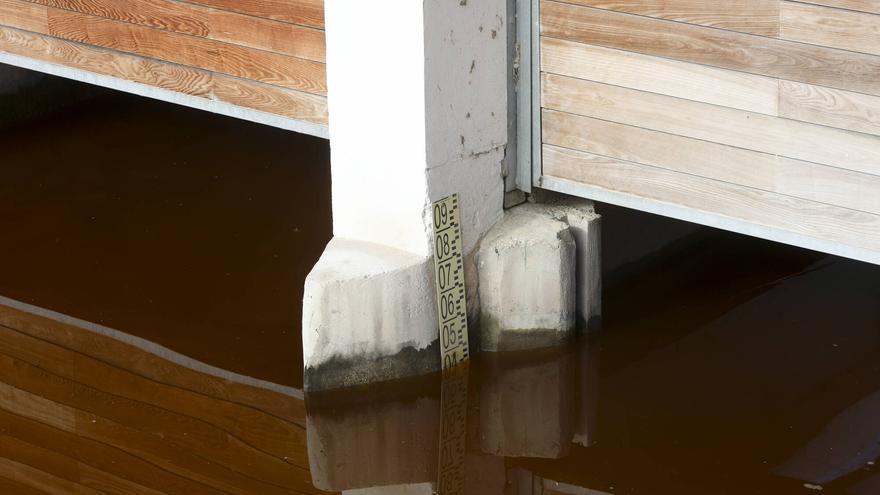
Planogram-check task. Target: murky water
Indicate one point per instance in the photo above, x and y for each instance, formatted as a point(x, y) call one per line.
point(725, 365)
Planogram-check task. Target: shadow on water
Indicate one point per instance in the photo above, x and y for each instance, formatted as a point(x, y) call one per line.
point(725, 365)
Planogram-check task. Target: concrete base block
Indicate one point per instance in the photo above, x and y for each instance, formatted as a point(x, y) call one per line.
point(527, 273)
point(585, 227)
point(368, 315)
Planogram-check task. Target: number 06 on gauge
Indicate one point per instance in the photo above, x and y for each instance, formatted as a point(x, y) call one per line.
point(449, 276)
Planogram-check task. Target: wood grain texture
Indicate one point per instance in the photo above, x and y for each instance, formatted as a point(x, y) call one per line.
point(793, 139)
point(872, 6)
point(196, 20)
point(265, 34)
point(27, 16)
point(763, 171)
point(750, 16)
point(304, 12)
point(224, 58)
point(161, 14)
point(270, 99)
point(831, 107)
point(660, 75)
point(726, 49)
point(836, 28)
point(807, 218)
point(81, 422)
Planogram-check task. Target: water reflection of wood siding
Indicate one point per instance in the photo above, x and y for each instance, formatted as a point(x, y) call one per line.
point(267, 56)
point(81, 412)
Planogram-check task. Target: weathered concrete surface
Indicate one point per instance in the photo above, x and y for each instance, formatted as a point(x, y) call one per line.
point(586, 229)
point(528, 404)
point(368, 315)
point(527, 278)
point(447, 110)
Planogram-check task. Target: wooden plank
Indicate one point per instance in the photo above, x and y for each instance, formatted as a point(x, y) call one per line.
point(304, 12)
point(249, 94)
point(100, 61)
point(196, 20)
point(29, 17)
point(836, 28)
point(831, 107)
point(872, 6)
point(293, 73)
point(751, 16)
point(763, 171)
point(279, 37)
point(814, 220)
point(660, 75)
point(748, 53)
point(793, 139)
point(159, 14)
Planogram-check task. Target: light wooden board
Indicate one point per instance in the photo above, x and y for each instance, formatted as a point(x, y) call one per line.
point(714, 47)
point(180, 79)
point(831, 107)
point(806, 218)
point(750, 16)
point(793, 139)
point(660, 75)
point(872, 6)
point(763, 171)
point(856, 31)
point(231, 27)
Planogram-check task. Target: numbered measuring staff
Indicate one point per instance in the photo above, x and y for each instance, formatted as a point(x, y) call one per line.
point(449, 277)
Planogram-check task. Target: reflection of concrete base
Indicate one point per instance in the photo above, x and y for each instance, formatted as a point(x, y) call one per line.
point(368, 315)
point(409, 489)
point(527, 409)
point(587, 392)
point(374, 444)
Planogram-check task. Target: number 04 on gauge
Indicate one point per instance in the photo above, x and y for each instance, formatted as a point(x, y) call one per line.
point(449, 271)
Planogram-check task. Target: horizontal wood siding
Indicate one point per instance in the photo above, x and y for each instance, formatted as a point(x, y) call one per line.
point(766, 112)
point(266, 56)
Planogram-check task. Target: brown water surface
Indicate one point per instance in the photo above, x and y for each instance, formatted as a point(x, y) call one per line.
point(726, 365)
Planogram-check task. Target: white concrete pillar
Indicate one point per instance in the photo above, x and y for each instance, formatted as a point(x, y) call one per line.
point(417, 92)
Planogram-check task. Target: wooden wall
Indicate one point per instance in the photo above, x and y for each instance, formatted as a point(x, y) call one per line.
point(765, 112)
point(266, 55)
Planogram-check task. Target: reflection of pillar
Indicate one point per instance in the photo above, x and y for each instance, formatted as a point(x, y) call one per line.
point(527, 404)
point(588, 392)
point(374, 444)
